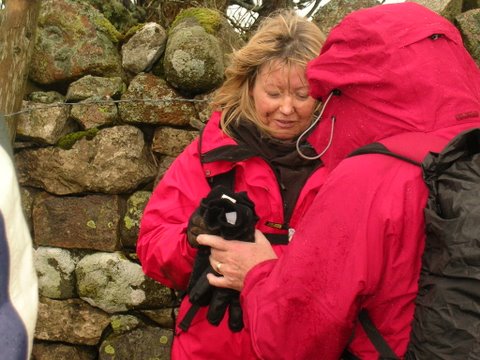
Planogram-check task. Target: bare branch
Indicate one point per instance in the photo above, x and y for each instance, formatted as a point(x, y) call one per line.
point(248, 5)
point(314, 8)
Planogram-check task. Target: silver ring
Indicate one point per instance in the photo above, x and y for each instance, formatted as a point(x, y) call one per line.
point(218, 266)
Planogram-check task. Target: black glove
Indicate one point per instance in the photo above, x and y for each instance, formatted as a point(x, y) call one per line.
point(232, 216)
point(223, 213)
point(221, 300)
point(202, 294)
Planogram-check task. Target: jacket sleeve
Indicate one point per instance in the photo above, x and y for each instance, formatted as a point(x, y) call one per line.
point(304, 305)
point(162, 246)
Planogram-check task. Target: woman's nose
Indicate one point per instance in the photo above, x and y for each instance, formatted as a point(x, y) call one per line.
point(286, 106)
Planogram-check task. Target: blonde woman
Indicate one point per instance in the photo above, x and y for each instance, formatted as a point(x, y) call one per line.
point(264, 115)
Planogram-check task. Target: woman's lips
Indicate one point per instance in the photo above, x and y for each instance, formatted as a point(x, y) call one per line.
point(284, 123)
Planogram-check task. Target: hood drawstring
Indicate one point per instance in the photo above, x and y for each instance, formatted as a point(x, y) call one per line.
point(297, 144)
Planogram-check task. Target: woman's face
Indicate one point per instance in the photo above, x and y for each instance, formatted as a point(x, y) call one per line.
point(280, 94)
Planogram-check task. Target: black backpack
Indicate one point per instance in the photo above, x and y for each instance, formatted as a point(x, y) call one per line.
point(446, 323)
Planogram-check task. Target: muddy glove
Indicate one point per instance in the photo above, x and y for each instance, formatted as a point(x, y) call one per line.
point(196, 226)
point(232, 216)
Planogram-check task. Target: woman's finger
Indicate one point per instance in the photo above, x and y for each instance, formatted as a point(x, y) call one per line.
point(215, 242)
point(224, 282)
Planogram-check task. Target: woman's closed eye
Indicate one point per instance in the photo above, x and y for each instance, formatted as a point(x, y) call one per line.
point(273, 94)
point(302, 96)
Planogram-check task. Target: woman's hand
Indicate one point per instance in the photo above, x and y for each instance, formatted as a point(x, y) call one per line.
point(234, 259)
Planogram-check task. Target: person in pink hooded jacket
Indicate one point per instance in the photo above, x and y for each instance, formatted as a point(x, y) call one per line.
point(393, 69)
point(263, 108)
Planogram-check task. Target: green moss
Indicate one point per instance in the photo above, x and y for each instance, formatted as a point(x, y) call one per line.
point(105, 109)
point(129, 222)
point(91, 224)
point(104, 25)
point(66, 142)
point(138, 200)
point(110, 350)
point(116, 324)
point(121, 255)
point(132, 31)
point(136, 204)
point(209, 19)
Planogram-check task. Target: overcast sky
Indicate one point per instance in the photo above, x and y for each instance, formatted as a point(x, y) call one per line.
point(326, 1)
point(234, 9)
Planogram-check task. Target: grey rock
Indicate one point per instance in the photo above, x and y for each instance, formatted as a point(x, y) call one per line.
point(56, 272)
point(469, 25)
point(148, 342)
point(95, 112)
point(150, 100)
point(449, 9)
point(91, 86)
point(44, 123)
point(334, 11)
point(54, 322)
point(124, 323)
point(122, 14)
point(113, 283)
point(193, 61)
point(213, 21)
point(163, 164)
point(204, 110)
point(163, 317)
point(170, 141)
point(114, 161)
point(144, 48)
point(131, 221)
point(73, 39)
point(54, 351)
point(46, 97)
point(88, 222)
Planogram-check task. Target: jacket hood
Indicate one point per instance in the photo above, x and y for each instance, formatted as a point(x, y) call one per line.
point(399, 68)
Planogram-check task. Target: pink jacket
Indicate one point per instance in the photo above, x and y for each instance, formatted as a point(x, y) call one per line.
point(360, 243)
point(162, 246)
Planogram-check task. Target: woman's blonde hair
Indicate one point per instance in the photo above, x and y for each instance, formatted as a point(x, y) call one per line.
point(285, 37)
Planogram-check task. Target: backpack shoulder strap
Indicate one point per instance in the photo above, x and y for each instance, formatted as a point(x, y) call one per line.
point(385, 351)
point(378, 148)
point(412, 147)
